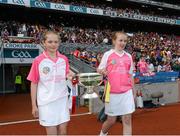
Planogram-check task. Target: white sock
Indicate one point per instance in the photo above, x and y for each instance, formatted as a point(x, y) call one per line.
point(102, 134)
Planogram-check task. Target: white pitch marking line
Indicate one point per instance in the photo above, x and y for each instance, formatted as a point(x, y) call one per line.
point(81, 114)
point(33, 120)
point(18, 122)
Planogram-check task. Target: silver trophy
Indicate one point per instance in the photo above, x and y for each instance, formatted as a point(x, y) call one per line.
point(90, 80)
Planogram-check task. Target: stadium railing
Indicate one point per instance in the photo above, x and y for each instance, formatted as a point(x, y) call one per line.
point(81, 66)
point(76, 64)
point(88, 47)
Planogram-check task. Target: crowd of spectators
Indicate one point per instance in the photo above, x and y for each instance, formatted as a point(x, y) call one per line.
point(160, 60)
point(67, 34)
point(160, 52)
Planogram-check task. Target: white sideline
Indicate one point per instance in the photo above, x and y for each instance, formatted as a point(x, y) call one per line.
point(33, 120)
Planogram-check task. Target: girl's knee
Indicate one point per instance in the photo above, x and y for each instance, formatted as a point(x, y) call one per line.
point(126, 119)
point(62, 129)
point(111, 120)
point(51, 130)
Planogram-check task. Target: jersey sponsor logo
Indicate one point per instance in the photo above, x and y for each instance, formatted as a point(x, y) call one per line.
point(46, 70)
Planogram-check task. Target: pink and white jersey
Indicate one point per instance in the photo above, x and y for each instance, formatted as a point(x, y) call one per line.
point(50, 75)
point(143, 66)
point(120, 69)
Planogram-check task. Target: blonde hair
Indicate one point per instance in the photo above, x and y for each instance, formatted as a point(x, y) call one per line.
point(116, 33)
point(49, 32)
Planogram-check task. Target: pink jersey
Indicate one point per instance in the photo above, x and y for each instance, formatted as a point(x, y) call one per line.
point(143, 66)
point(120, 69)
point(50, 75)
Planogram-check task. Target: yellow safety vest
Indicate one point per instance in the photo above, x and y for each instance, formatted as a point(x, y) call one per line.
point(18, 80)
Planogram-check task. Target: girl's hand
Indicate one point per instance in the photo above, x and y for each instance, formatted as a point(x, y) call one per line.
point(103, 71)
point(70, 75)
point(35, 112)
point(134, 94)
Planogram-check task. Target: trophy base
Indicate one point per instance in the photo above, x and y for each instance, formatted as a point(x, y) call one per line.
point(90, 96)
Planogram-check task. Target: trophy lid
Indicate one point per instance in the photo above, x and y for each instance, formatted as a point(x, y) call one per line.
point(89, 74)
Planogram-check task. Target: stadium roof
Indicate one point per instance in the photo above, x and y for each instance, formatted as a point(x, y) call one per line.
point(175, 2)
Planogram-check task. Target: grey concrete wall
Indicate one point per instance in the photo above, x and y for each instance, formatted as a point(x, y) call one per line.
point(169, 89)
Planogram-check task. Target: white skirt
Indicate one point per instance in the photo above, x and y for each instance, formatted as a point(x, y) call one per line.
point(120, 104)
point(54, 113)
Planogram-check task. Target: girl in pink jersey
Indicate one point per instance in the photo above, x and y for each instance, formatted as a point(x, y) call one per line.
point(142, 65)
point(117, 65)
point(49, 92)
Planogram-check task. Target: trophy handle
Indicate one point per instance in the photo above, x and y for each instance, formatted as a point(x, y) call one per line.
point(79, 82)
point(99, 83)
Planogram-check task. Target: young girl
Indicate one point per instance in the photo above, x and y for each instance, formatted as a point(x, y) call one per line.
point(118, 66)
point(49, 92)
point(142, 65)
